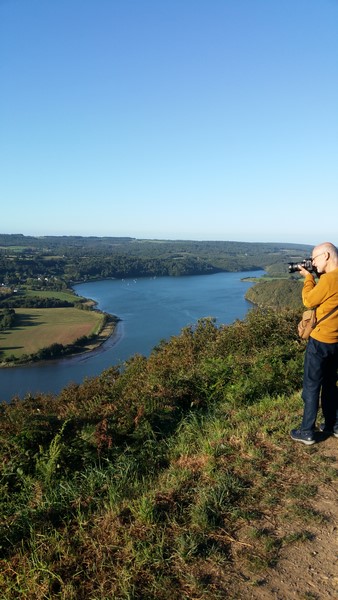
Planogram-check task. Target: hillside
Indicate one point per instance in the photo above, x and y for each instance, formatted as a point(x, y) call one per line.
point(54, 262)
point(173, 478)
point(276, 293)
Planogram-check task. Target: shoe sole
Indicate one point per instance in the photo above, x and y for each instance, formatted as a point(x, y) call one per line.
point(306, 442)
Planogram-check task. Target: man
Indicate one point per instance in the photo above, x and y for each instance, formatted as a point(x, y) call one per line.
point(321, 355)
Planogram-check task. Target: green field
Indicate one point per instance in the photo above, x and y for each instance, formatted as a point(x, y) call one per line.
point(39, 328)
point(68, 296)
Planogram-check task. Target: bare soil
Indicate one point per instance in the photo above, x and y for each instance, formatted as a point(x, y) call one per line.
point(306, 570)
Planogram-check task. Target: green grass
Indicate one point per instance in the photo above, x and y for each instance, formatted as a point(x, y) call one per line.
point(167, 533)
point(39, 328)
point(67, 296)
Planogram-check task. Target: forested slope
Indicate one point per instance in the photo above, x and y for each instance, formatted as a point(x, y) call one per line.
point(62, 260)
point(276, 293)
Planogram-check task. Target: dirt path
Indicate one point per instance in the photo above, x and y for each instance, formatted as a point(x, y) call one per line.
point(307, 570)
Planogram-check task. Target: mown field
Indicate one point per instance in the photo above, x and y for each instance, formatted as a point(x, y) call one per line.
point(39, 328)
point(66, 295)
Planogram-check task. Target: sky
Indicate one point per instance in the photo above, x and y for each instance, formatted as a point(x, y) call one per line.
point(170, 119)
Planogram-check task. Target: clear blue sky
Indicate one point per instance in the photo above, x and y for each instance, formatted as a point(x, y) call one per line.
point(176, 119)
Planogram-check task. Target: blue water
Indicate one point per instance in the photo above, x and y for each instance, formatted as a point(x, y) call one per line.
point(150, 309)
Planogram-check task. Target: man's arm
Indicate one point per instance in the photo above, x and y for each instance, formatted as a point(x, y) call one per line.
point(312, 294)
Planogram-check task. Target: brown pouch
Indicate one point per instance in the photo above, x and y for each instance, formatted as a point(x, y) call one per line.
point(307, 324)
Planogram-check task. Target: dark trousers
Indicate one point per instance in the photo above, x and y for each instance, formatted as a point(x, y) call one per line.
point(320, 382)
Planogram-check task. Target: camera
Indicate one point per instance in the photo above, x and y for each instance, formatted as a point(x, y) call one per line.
point(306, 263)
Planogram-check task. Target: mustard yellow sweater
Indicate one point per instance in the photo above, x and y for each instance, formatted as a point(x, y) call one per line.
point(324, 295)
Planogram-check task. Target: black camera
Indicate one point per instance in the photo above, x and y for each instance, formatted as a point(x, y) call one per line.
point(306, 263)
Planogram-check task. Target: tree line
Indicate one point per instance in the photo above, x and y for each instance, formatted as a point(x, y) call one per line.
point(7, 318)
point(56, 262)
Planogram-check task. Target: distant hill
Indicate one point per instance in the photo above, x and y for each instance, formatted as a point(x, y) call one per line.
point(76, 258)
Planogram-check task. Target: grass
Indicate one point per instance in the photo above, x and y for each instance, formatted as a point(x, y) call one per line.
point(174, 532)
point(64, 296)
point(39, 328)
point(153, 481)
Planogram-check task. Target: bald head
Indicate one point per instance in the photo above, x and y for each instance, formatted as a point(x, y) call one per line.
point(325, 257)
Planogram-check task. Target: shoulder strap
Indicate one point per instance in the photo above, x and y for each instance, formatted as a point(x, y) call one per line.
point(326, 316)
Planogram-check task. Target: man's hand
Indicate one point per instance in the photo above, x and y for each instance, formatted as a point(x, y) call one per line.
point(303, 272)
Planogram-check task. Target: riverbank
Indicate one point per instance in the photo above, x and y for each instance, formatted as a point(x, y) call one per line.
point(107, 332)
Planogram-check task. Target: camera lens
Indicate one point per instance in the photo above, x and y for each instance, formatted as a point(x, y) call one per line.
point(293, 267)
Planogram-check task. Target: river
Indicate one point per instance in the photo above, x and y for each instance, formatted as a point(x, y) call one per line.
point(150, 309)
